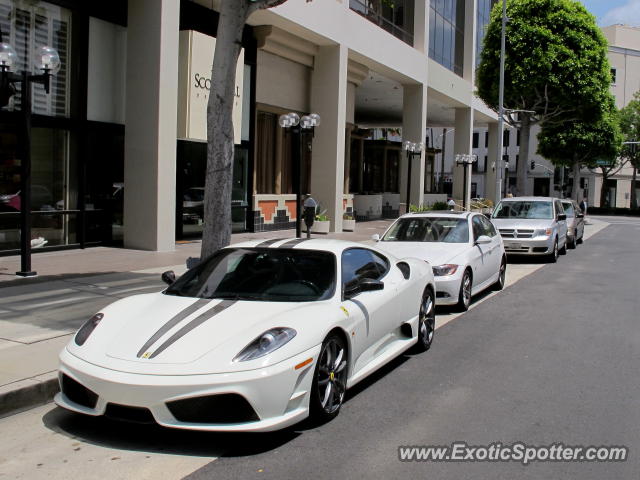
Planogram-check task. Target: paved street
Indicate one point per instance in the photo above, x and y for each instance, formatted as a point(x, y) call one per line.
point(553, 358)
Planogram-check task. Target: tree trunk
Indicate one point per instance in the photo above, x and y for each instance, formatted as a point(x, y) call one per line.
point(603, 188)
point(220, 142)
point(523, 158)
point(576, 180)
point(634, 203)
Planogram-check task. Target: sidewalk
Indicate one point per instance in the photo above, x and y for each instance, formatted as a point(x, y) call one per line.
point(38, 315)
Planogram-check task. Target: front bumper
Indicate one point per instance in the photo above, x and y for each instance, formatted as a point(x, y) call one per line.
point(529, 246)
point(278, 394)
point(448, 287)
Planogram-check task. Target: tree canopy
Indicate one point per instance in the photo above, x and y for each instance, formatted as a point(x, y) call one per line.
point(582, 142)
point(555, 62)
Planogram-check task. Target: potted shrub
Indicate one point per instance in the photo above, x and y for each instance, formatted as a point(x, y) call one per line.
point(321, 224)
point(348, 223)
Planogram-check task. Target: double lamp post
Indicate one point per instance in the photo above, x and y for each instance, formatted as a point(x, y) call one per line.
point(296, 125)
point(47, 63)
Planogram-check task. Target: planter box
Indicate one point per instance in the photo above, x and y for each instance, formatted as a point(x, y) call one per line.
point(320, 226)
point(348, 225)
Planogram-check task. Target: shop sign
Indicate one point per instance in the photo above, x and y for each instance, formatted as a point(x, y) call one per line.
point(194, 85)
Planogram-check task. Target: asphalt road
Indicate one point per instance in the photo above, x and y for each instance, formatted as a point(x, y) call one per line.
point(554, 358)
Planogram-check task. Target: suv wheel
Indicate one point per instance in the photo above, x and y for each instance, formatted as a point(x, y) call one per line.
point(553, 256)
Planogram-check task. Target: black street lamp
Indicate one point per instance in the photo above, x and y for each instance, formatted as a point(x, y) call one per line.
point(47, 60)
point(465, 160)
point(293, 123)
point(412, 149)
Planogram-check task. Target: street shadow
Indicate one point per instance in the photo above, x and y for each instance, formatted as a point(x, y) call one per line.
point(153, 438)
point(526, 259)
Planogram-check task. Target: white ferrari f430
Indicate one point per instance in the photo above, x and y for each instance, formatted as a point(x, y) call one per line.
point(255, 338)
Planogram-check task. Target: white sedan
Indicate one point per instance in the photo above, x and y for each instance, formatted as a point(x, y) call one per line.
point(255, 338)
point(464, 249)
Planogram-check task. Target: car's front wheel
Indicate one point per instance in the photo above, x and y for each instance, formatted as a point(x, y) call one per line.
point(330, 379)
point(426, 321)
point(553, 256)
point(464, 297)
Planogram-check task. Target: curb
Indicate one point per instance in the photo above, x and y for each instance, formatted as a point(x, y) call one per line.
point(29, 393)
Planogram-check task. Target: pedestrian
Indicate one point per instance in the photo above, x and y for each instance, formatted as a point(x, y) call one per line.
point(583, 206)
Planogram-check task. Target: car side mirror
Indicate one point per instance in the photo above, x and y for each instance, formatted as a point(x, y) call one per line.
point(483, 240)
point(169, 277)
point(562, 216)
point(375, 237)
point(370, 285)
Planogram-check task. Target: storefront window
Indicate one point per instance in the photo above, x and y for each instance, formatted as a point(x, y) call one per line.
point(53, 192)
point(28, 25)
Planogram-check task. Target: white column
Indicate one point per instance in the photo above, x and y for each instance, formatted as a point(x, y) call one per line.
point(414, 127)
point(329, 99)
point(462, 144)
point(421, 26)
point(150, 124)
point(469, 61)
point(492, 174)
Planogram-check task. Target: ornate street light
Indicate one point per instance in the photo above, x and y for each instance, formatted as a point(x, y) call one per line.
point(296, 125)
point(47, 61)
point(465, 160)
point(412, 149)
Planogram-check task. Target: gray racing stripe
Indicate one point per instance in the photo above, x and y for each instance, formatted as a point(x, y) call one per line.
point(268, 243)
point(181, 315)
point(293, 243)
point(199, 320)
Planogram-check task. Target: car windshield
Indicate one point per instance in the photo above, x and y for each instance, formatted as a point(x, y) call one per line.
point(261, 274)
point(568, 209)
point(538, 210)
point(428, 229)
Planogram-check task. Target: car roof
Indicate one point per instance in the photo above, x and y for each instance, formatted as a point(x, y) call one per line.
point(439, 214)
point(326, 244)
point(529, 199)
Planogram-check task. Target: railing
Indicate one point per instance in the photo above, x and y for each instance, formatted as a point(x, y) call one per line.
point(371, 10)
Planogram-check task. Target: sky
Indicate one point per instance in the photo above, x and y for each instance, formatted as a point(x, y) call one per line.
point(609, 12)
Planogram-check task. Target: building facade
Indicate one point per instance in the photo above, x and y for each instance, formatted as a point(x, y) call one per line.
point(118, 149)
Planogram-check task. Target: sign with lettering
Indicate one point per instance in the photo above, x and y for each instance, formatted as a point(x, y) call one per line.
point(194, 85)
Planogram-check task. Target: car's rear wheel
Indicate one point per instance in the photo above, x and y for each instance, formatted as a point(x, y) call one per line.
point(499, 285)
point(553, 256)
point(579, 241)
point(426, 321)
point(464, 297)
point(330, 379)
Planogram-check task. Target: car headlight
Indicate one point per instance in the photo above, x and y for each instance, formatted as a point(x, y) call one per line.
point(543, 232)
point(446, 269)
point(266, 343)
point(86, 329)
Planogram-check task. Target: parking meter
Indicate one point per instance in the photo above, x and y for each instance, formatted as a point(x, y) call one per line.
point(309, 213)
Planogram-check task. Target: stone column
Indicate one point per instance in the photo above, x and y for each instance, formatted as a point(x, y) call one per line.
point(462, 144)
point(492, 175)
point(329, 99)
point(151, 124)
point(414, 127)
point(421, 26)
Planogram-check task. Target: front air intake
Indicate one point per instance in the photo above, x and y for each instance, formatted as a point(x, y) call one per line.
point(77, 392)
point(217, 409)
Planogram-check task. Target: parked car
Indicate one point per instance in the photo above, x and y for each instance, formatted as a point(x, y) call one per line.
point(464, 249)
point(575, 222)
point(254, 338)
point(532, 226)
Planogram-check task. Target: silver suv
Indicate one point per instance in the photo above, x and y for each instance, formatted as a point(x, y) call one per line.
point(532, 226)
